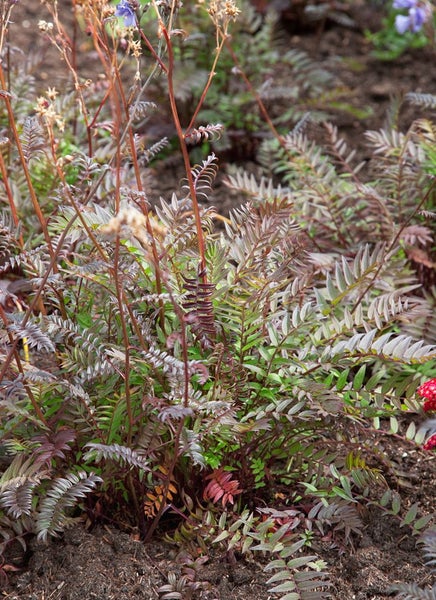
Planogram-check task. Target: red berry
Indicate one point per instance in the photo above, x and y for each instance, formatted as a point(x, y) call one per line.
point(428, 389)
point(429, 405)
point(430, 443)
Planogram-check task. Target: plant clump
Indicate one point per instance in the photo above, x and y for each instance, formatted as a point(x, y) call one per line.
point(169, 368)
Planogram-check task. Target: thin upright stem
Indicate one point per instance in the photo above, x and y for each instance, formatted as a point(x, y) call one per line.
point(42, 221)
point(186, 159)
point(212, 74)
point(10, 196)
point(126, 341)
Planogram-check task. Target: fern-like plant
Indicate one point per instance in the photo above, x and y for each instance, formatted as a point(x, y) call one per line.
point(412, 591)
point(160, 362)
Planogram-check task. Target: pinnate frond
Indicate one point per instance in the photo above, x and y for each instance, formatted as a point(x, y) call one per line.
point(340, 515)
point(199, 307)
point(190, 446)
point(17, 485)
point(307, 160)
point(116, 453)
point(32, 138)
point(417, 234)
point(204, 133)
point(17, 499)
point(411, 591)
point(420, 321)
point(94, 215)
point(23, 259)
point(85, 347)
point(299, 585)
point(420, 99)
point(385, 142)
point(141, 110)
point(178, 220)
point(298, 577)
point(148, 154)
point(53, 445)
point(428, 214)
point(428, 540)
point(221, 487)
point(63, 493)
point(391, 305)
point(261, 191)
point(388, 345)
point(204, 175)
point(33, 334)
point(339, 149)
point(162, 493)
point(269, 240)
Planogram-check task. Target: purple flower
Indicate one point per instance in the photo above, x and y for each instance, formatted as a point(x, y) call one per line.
point(402, 23)
point(411, 22)
point(399, 4)
point(124, 9)
point(418, 14)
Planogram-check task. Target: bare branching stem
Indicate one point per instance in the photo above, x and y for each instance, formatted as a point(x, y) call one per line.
point(33, 197)
point(212, 73)
point(10, 197)
point(126, 340)
point(185, 154)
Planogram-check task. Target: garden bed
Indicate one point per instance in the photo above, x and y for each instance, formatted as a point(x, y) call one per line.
point(102, 562)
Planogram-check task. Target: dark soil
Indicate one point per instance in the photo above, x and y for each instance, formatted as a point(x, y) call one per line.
point(106, 564)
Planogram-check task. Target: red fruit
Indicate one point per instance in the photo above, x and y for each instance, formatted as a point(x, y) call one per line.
point(428, 389)
point(430, 444)
point(429, 405)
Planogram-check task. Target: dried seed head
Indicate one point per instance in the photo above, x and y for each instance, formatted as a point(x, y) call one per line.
point(222, 12)
point(45, 26)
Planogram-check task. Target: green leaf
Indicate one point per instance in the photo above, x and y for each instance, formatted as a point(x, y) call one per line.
point(359, 377)
point(345, 482)
point(309, 486)
point(285, 587)
point(85, 320)
point(374, 380)
point(222, 536)
point(410, 515)
point(255, 369)
point(411, 431)
point(342, 380)
point(290, 550)
point(396, 504)
point(246, 545)
point(342, 494)
point(334, 471)
point(278, 563)
point(422, 522)
point(280, 576)
point(301, 561)
point(273, 335)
